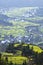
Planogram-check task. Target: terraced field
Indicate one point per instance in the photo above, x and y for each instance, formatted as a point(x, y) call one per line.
point(17, 58)
point(35, 48)
point(18, 28)
point(18, 21)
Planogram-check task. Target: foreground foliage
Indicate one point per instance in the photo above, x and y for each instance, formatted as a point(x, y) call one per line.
point(22, 54)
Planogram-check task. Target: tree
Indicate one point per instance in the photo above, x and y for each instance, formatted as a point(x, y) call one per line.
point(10, 48)
point(6, 59)
point(40, 58)
point(10, 63)
point(26, 51)
point(15, 64)
point(0, 56)
point(36, 58)
point(24, 63)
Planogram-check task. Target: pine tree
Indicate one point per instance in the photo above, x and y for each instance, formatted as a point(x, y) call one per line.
point(24, 63)
point(11, 63)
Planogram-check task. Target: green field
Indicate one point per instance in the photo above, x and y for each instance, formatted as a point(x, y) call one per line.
point(35, 48)
point(18, 28)
point(17, 58)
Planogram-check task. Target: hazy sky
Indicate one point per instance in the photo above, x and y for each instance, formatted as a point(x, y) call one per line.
point(20, 3)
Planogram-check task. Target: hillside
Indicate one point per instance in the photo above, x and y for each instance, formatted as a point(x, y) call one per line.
point(14, 54)
point(26, 24)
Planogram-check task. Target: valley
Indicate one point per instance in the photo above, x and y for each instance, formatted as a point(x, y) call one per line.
point(21, 36)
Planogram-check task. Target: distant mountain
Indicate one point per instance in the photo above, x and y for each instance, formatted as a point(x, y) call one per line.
point(40, 12)
point(40, 45)
point(23, 11)
point(22, 22)
point(4, 20)
point(2, 16)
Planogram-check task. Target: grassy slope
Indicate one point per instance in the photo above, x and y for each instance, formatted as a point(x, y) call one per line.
point(13, 58)
point(35, 48)
point(19, 11)
point(35, 18)
point(19, 59)
point(18, 28)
